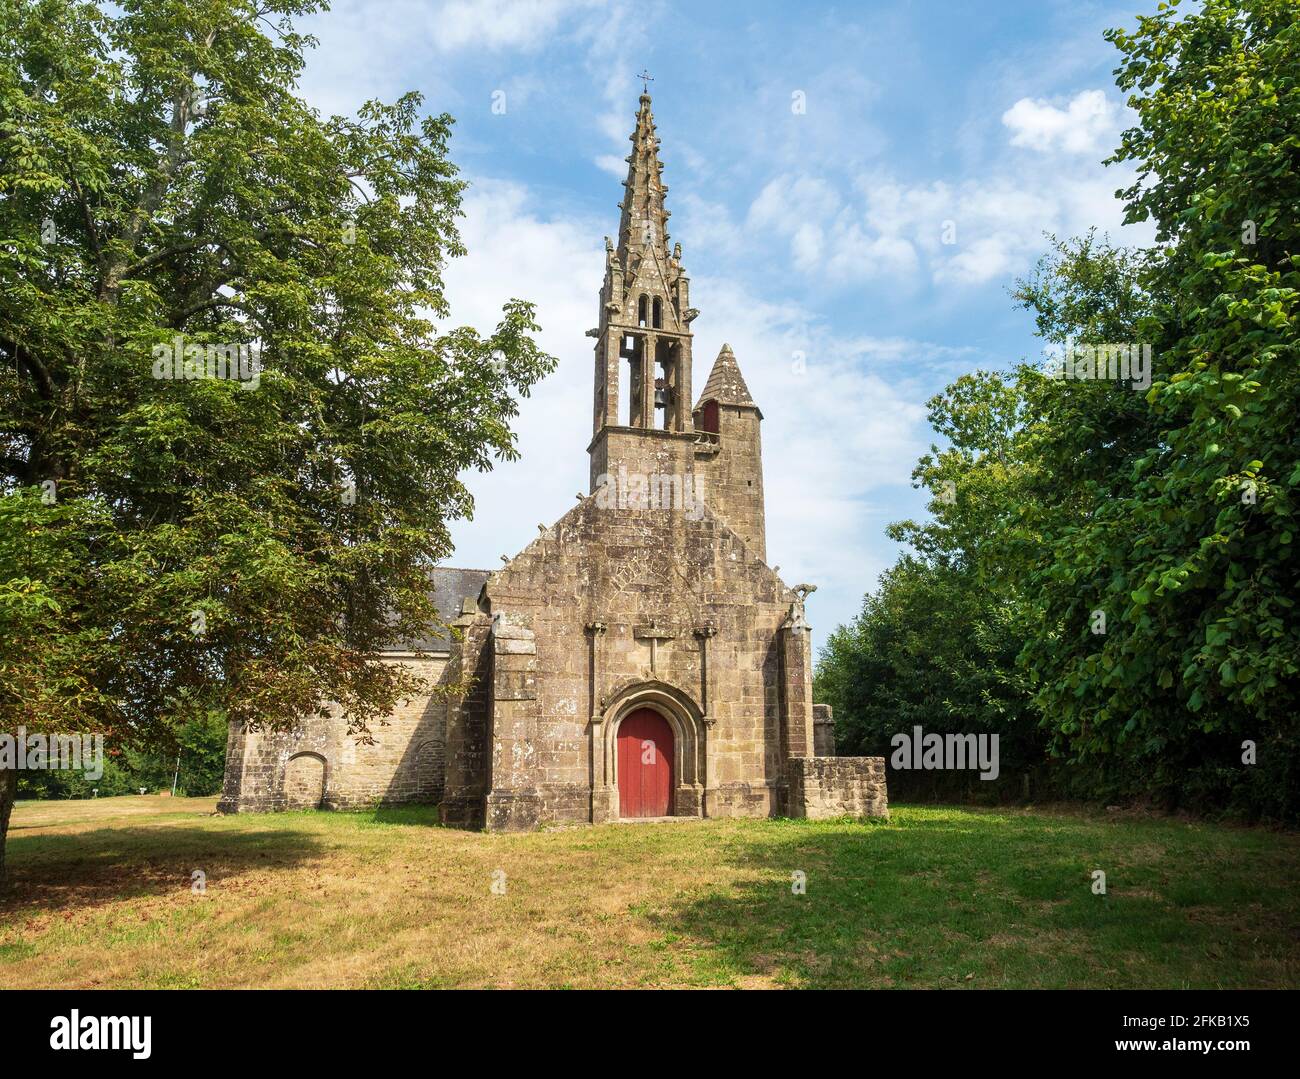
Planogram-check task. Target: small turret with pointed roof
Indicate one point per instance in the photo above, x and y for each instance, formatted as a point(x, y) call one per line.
point(733, 469)
point(725, 383)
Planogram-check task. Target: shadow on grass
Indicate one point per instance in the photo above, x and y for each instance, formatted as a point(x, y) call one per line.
point(63, 872)
point(989, 901)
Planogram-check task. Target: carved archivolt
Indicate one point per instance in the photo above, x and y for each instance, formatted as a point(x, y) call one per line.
point(675, 704)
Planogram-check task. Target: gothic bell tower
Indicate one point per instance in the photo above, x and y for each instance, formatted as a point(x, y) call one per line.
point(643, 414)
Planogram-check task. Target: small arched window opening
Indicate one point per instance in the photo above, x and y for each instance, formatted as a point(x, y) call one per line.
point(640, 311)
point(658, 313)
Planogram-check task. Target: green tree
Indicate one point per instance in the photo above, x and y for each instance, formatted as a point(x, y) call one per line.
point(1174, 511)
point(1144, 536)
point(934, 649)
point(199, 748)
point(173, 546)
point(936, 644)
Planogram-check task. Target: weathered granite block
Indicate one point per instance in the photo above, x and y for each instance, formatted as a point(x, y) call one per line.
point(823, 731)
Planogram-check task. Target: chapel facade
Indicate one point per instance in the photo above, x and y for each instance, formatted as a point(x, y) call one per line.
point(640, 658)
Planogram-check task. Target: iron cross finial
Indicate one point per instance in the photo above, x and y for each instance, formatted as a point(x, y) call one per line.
point(646, 79)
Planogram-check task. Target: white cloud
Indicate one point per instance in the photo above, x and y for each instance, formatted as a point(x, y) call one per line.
point(1087, 125)
point(788, 200)
point(707, 226)
point(370, 50)
point(806, 246)
point(967, 233)
point(613, 44)
point(612, 164)
point(498, 24)
point(557, 264)
point(839, 227)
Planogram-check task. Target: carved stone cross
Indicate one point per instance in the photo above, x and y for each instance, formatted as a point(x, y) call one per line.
point(654, 634)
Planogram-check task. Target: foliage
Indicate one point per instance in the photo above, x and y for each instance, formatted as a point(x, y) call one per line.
point(192, 193)
point(247, 545)
point(1183, 507)
point(194, 758)
point(1170, 512)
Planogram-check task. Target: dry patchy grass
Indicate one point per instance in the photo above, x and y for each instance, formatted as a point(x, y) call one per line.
point(100, 895)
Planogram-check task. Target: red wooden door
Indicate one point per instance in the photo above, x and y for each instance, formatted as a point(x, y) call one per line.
point(645, 765)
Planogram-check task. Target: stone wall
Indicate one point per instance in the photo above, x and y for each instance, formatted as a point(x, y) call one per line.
point(823, 731)
point(618, 451)
point(822, 787)
point(469, 723)
point(319, 765)
point(734, 475)
point(514, 801)
point(583, 604)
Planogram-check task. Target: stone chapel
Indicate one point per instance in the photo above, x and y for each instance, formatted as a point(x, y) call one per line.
point(639, 658)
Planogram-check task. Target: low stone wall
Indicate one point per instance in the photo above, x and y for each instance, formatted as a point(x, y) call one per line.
point(822, 787)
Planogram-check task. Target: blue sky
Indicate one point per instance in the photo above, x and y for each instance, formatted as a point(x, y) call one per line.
point(814, 238)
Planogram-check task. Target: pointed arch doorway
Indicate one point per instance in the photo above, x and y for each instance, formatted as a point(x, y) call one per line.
point(645, 765)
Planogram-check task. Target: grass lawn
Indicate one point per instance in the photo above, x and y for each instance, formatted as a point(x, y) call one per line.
point(100, 895)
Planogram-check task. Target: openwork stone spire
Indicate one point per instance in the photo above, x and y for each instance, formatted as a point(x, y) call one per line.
point(644, 336)
point(644, 222)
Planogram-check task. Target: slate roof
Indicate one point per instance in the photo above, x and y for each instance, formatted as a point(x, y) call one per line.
point(449, 586)
point(726, 384)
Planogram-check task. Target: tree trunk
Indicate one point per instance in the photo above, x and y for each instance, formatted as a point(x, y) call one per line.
point(8, 790)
